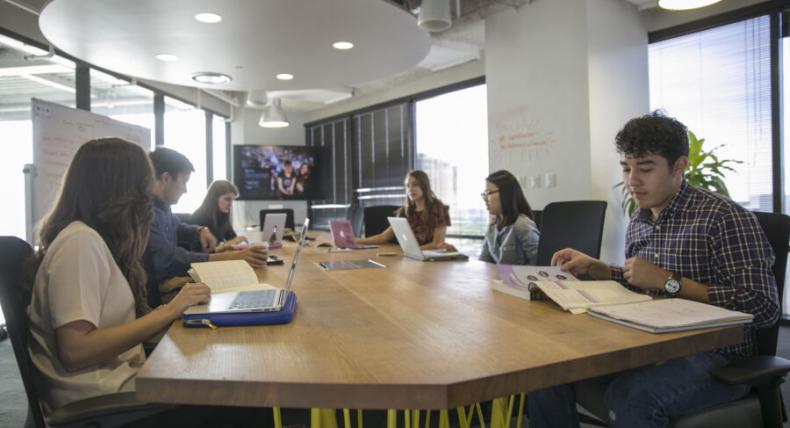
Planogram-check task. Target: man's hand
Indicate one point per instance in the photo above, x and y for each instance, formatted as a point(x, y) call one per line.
point(643, 274)
point(578, 263)
point(207, 239)
point(255, 255)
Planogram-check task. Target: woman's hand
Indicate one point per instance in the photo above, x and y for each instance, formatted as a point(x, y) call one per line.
point(191, 294)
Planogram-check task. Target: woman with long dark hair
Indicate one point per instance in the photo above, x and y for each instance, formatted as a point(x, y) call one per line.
point(214, 213)
point(427, 215)
point(512, 237)
point(88, 312)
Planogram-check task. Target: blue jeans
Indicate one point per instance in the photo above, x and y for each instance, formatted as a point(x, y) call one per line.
point(643, 397)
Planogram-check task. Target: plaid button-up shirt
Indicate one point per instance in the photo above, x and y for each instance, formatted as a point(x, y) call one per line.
point(712, 240)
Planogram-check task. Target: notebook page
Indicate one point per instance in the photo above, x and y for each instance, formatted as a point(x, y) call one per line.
point(576, 296)
point(667, 313)
point(226, 275)
point(567, 298)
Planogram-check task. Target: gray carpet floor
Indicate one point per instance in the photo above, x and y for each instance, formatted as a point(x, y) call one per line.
point(13, 402)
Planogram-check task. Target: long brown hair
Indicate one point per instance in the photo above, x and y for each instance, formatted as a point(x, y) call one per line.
point(218, 221)
point(108, 187)
point(424, 183)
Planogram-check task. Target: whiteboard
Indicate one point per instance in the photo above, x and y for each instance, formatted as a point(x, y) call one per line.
point(58, 131)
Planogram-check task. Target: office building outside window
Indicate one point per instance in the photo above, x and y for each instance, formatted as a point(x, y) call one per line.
point(185, 132)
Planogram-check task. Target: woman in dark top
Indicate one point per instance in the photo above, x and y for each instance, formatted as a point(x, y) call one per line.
point(214, 213)
point(427, 215)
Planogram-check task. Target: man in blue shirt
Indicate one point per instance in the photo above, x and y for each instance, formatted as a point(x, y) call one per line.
point(164, 259)
point(682, 242)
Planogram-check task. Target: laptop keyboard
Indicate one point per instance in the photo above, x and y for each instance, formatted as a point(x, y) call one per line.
point(254, 299)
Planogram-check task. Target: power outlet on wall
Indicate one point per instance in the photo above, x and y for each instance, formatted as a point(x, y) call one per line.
point(549, 180)
point(535, 182)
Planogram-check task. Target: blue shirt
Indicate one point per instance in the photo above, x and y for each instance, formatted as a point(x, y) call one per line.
point(169, 259)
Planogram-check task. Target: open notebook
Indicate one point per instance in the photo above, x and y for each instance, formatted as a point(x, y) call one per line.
point(668, 315)
point(579, 296)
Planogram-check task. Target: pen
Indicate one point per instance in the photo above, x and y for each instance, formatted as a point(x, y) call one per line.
point(200, 322)
point(376, 263)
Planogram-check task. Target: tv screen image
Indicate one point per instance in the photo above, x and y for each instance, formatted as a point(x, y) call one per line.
point(277, 172)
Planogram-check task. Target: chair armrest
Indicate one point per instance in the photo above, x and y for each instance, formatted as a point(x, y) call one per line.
point(113, 409)
point(755, 371)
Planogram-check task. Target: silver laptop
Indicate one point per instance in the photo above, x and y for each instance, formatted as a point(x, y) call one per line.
point(267, 300)
point(273, 224)
point(411, 248)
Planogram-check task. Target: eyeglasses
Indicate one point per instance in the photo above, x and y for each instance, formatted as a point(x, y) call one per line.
point(485, 194)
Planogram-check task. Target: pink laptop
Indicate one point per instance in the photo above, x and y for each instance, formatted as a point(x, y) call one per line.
point(341, 232)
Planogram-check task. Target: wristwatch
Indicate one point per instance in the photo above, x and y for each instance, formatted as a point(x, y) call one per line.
point(672, 284)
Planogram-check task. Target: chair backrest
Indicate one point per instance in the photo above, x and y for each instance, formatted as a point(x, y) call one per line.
point(376, 218)
point(184, 217)
point(15, 298)
point(289, 216)
point(575, 224)
point(537, 217)
point(777, 230)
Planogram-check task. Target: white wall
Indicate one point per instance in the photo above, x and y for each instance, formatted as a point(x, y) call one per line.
point(245, 130)
point(536, 72)
point(563, 77)
point(618, 84)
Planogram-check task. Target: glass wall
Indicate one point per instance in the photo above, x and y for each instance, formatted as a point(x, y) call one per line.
point(185, 132)
point(718, 82)
point(23, 76)
point(451, 137)
point(219, 146)
point(121, 100)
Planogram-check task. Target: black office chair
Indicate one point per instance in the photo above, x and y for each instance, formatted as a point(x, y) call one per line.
point(111, 410)
point(376, 218)
point(575, 224)
point(765, 372)
point(184, 217)
point(289, 216)
point(537, 217)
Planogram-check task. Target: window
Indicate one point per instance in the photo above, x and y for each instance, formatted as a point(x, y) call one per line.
point(219, 147)
point(185, 132)
point(718, 83)
point(452, 136)
point(121, 100)
point(23, 77)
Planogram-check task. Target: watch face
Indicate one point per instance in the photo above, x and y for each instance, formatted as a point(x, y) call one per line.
point(672, 286)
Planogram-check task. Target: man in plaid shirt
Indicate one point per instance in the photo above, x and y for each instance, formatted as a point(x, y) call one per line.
point(682, 242)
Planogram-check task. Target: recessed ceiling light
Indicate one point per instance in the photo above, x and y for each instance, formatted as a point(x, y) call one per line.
point(685, 4)
point(342, 45)
point(167, 57)
point(211, 78)
point(208, 18)
point(285, 76)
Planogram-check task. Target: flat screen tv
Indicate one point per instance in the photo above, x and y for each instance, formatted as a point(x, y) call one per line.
point(278, 172)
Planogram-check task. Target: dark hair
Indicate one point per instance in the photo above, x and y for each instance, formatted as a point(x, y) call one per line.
point(511, 197)
point(107, 187)
point(218, 222)
point(170, 161)
point(654, 133)
point(287, 163)
point(424, 183)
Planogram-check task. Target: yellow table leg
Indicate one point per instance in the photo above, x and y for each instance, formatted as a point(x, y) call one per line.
point(407, 418)
point(328, 418)
point(392, 418)
point(462, 421)
point(278, 419)
point(415, 418)
point(444, 419)
point(427, 419)
point(359, 418)
point(315, 418)
point(480, 416)
point(346, 418)
point(520, 410)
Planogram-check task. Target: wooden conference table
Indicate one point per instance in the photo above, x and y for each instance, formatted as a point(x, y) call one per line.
point(414, 335)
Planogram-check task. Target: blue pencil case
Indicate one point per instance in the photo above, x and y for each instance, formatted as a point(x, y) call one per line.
point(283, 316)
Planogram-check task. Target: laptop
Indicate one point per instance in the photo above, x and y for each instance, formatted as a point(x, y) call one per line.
point(411, 248)
point(265, 300)
point(273, 228)
point(341, 230)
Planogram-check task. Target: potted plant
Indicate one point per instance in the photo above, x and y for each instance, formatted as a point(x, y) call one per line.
point(705, 170)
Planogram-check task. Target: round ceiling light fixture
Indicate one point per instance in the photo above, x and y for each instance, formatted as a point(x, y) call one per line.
point(208, 18)
point(685, 4)
point(211, 78)
point(165, 57)
point(342, 46)
point(284, 76)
